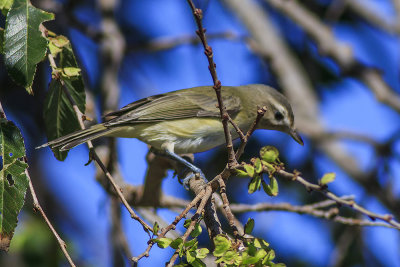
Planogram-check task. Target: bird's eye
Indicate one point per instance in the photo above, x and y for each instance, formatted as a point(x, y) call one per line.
point(278, 116)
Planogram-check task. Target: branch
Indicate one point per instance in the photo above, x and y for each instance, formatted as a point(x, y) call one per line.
point(207, 195)
point(350, 203)
point(312, 209)
point(37, 207)
point(94, 155)
point(198, 15)
point(329, 46)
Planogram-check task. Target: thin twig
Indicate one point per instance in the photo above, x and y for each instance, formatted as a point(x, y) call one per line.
point(198, 15)
point(328, 45)
point(207, 195)
point(172, 226)
point(96, 158)
point(37, 207)
point(388, 218)
point(260, 114)
point(227, 209)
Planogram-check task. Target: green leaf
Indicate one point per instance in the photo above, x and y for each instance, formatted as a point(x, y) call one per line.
point(191, 243)
point(71, 72)
point(272, 189)
point(57, 43)
point(241, 173)
point(230, 257)
point(269, 166)
point(59, 116)
point(258, 166)
point(175, 244)
point(198, 263)
point(13, 180)
point(156, 227)
point(74, 84)
point(5, 5)
point(222, 244)
point(261, 253)
point(249, 169)
point(254, 184)
point(327, 178)
point(249, 226)
point(163, 242)
point(202, 253)
point(187, 223)
point(190, 256)
point(196, 231)
point(278, 265)
point(269, 153)
point(24, 45)
point(260, 243)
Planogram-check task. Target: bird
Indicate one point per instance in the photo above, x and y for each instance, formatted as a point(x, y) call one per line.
point(189, 120)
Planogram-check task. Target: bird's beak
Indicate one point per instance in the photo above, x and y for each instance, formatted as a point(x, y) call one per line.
point(296, 136)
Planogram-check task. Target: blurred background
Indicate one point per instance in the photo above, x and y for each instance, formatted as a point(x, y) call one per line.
point(338, 63)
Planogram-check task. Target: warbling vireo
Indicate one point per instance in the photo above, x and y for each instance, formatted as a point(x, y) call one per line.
point(188, 120)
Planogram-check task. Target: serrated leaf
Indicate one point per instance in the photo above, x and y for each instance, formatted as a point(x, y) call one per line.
point(13, 180)
point(230, 257)
point(163, 242)
point(202, 253)
point(249, 226)
point(196, 231)
point(24, 45)
point(269, 153)
point(175, 244)
point(5, 5)
point(249, 169)
point(222, 244)
point(59, 116)
point(327, 178)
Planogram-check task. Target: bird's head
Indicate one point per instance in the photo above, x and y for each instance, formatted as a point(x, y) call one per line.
point(279, 115)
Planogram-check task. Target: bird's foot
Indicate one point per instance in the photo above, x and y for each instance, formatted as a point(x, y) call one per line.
point(194, 174)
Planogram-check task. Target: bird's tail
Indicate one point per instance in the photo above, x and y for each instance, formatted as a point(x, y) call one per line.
point(79, 137)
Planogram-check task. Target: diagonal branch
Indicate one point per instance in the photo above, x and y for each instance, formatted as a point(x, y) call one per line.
point(198, 15)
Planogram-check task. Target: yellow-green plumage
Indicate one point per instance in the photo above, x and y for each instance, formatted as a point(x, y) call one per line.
point(188, 120)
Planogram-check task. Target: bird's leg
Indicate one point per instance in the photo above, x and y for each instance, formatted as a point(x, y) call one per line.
point(189, 165)
point(169, 152)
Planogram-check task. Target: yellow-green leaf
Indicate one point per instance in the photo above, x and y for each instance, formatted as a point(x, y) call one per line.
point(327, 178)
point(249, 169)
point(269, 153)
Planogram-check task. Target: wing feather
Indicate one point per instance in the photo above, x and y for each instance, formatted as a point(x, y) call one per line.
point(176, 105)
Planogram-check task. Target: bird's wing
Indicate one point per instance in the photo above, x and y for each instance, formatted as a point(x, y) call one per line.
point(178, 105)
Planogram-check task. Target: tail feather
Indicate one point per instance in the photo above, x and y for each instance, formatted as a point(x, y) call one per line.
point(76, 138)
